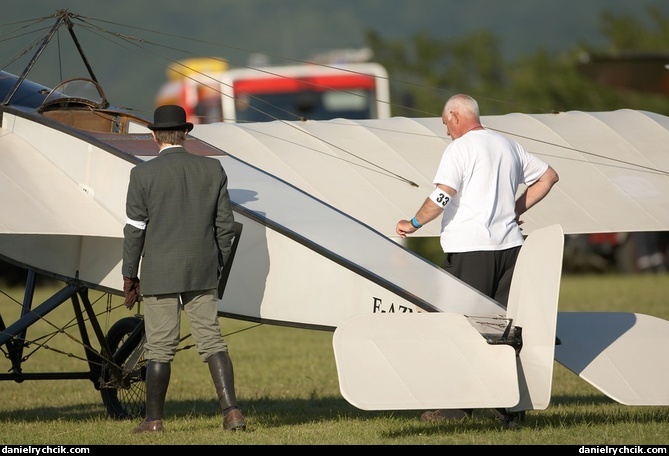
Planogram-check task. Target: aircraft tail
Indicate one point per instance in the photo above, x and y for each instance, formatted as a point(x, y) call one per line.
point(441, 360)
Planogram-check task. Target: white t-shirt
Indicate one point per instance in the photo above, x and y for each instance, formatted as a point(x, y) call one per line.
point(486, 169)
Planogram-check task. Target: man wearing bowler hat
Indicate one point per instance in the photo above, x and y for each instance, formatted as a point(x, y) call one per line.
point(180, 223)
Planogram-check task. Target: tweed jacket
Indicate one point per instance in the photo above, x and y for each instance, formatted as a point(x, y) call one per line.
point(189, 224)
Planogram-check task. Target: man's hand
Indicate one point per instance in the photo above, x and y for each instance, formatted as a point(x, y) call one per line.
point(131, 291)
point(404, 227)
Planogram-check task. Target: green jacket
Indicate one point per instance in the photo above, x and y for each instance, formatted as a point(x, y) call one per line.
point(183, 200)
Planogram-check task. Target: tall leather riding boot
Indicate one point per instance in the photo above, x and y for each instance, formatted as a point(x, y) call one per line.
point(220, 366)
point(157, 381)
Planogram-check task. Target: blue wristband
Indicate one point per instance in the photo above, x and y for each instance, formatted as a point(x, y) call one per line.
point(415, 223)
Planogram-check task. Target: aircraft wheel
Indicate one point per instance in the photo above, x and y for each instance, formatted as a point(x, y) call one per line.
point(123, 386)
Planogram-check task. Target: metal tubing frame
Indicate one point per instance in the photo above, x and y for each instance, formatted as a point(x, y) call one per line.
point(14, 336)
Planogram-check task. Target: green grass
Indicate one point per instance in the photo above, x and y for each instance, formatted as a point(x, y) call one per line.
point(287, 387)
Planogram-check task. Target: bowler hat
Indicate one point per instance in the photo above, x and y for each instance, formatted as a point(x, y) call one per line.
point(170, 117)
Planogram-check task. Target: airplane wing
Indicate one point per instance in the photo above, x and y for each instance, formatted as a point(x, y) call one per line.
point(42, 199)
point(380, 170)
point(61, 200)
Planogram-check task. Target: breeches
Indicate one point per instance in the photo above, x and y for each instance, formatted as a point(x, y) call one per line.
point(162, 320)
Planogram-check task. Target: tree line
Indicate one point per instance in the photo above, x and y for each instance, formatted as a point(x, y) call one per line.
point(425, 71)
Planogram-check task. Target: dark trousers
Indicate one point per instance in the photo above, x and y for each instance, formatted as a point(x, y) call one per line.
point(489, 272)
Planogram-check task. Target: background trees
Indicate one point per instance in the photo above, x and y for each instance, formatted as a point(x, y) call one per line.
point(425, 71)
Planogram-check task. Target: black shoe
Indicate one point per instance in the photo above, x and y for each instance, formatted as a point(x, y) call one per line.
point(509, 419)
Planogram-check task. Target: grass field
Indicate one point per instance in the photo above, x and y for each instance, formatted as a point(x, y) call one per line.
point(287, 387)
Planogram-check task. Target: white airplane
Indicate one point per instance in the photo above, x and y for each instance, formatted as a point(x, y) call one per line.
point(316, 204)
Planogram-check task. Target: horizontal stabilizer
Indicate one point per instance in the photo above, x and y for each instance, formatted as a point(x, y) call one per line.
point(420, 361)
point(624, 355)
